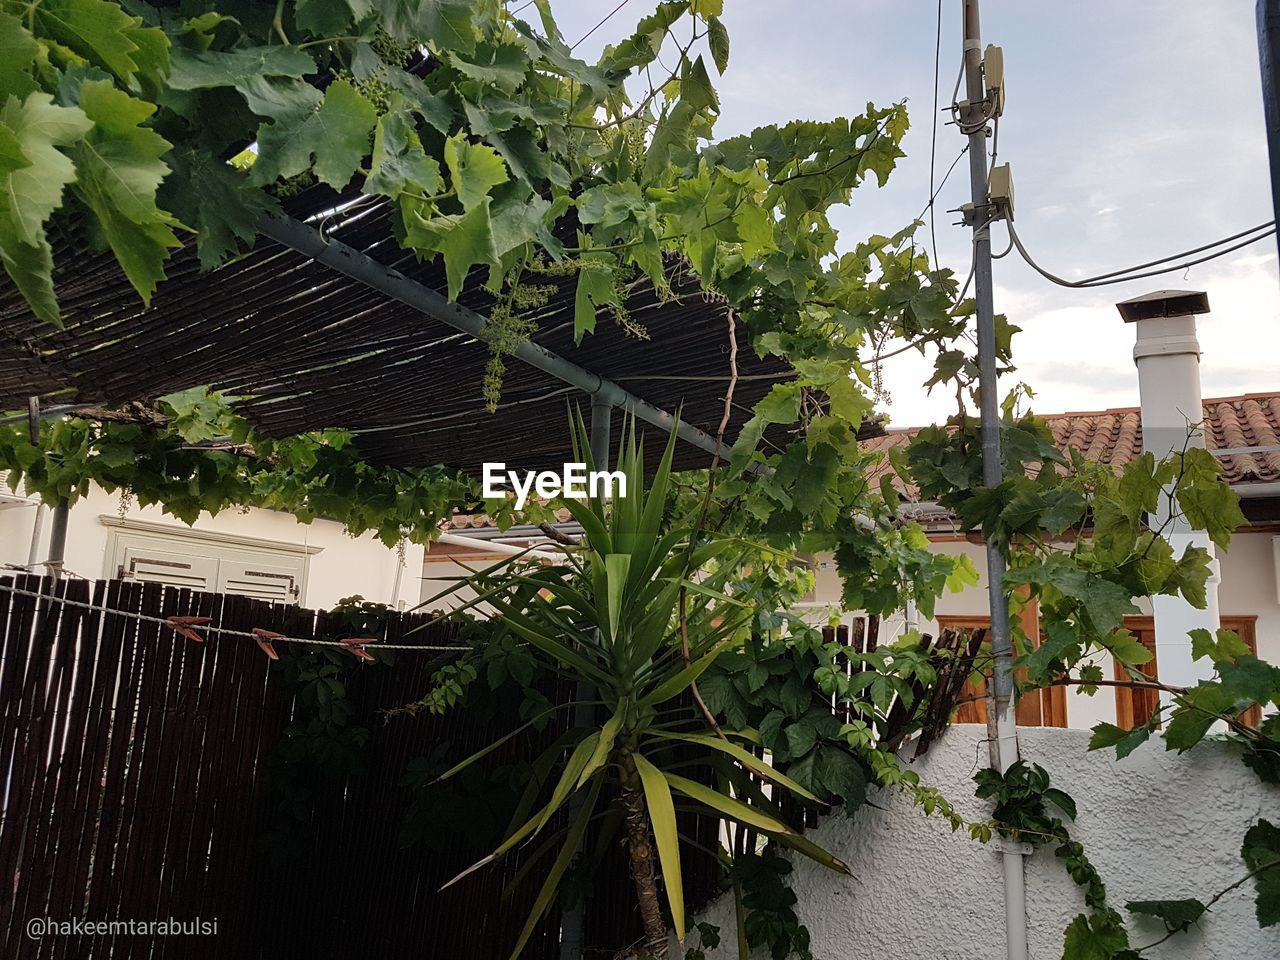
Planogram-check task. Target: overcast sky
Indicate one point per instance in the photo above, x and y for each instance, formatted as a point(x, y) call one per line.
point(1134, 129)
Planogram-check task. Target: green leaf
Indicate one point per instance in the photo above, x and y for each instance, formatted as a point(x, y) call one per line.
point(1060, 644)
point(616, 566)
point(1125, 741)
point(677, 684)
point(595, 289)
point(33, 190)
point(101, 32)
point(1128, 649)
point(572, 843)
point(1098, 936)
point(718, 40)
point(1249, 678)
point(1177, 915)
point(841, 773)
point(328, 18)
point(730, 807)
point(17, 55)
point(446, 24)
point(781, 404)
point(474, 170)
point(219, 201)
point(464, 240)
point(209, 69)
point(399, 162)
point(1261, 853)
point(801, 737)
point(36, 173)
point(118, 171)
point(1223, 648)
point(745, 757)
point(662, 815)
point(696, 89)
point(570, 777)
point(336, 137)
point(503, 65)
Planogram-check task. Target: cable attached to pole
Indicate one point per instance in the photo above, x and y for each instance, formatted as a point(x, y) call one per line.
point(1128, 273)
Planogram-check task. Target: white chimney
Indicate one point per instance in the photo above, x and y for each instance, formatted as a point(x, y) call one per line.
point(1167, 355)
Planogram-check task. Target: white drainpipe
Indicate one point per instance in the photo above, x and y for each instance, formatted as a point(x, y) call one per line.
point(1167, 355)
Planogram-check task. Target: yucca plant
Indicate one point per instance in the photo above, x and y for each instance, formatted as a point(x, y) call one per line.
point(637, 612)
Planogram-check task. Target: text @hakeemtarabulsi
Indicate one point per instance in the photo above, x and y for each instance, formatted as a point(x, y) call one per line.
point(574, 481)
point(40, 927)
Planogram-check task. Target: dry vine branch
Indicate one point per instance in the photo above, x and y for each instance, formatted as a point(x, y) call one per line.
point(706, 505)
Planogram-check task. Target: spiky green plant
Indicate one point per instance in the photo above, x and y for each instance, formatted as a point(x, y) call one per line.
point(637, 612)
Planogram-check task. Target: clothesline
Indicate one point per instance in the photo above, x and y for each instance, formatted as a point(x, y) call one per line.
point(187, 626)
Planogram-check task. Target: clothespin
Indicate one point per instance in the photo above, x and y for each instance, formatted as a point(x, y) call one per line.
point(187, 627)
point(356, 645)
point(264, 638)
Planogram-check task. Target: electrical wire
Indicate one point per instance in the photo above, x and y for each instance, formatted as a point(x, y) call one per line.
point(1127, 274)
point(209, 628)
point(601, 23)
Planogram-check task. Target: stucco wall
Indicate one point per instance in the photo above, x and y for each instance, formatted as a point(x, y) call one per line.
point(1156, 825)
point(1248, 588)
point(343, 566)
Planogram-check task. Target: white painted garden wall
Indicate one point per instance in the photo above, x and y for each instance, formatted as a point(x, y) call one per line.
point(1156, 825)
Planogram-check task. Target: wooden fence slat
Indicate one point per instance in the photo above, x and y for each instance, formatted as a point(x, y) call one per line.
point(138, 764)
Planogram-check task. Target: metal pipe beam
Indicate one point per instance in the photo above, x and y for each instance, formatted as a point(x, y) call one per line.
point(350, 262)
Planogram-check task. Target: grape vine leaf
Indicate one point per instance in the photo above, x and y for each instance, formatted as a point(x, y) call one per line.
point(329, 17)
point(718, 40)
point(35, 175)
point(1261, 853)
point(474, 170)
point(1226, 647)
point(1177, 915)
point(207, 69)
point(446, 23)
point(502, 65)
point(336, 136)
point(1098, 936)
point(102, 33)
point(205, 191)
point(595, 289)
point(118, 171)
point(399, 162)
point(463, 239)
point(1125, 741)
point(17, 53)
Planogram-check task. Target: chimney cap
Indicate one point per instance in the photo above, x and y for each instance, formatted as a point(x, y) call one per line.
point(1164, 303)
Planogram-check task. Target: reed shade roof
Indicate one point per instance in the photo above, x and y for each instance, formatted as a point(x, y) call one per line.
point(309, 348)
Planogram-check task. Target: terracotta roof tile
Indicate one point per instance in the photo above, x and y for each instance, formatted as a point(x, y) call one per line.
point(1115, 436)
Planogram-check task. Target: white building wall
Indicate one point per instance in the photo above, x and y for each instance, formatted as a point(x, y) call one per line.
point(1156, 825)
point(341, 566)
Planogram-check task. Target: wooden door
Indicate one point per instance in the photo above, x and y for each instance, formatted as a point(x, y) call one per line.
point(1046, 707)
point(1134, 706)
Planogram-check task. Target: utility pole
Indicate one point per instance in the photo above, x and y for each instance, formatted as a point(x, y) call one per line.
point(1269, 59)
point(573, 919)
point(974, 115)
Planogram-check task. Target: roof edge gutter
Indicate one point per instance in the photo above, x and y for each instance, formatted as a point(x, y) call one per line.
point(306, 240)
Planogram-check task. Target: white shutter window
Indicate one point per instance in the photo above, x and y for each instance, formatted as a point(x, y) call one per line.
point(203, 560)
point(262, 580)
point(148, 565)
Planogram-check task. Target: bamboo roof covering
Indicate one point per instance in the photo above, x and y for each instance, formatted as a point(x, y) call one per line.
point(308, 348)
